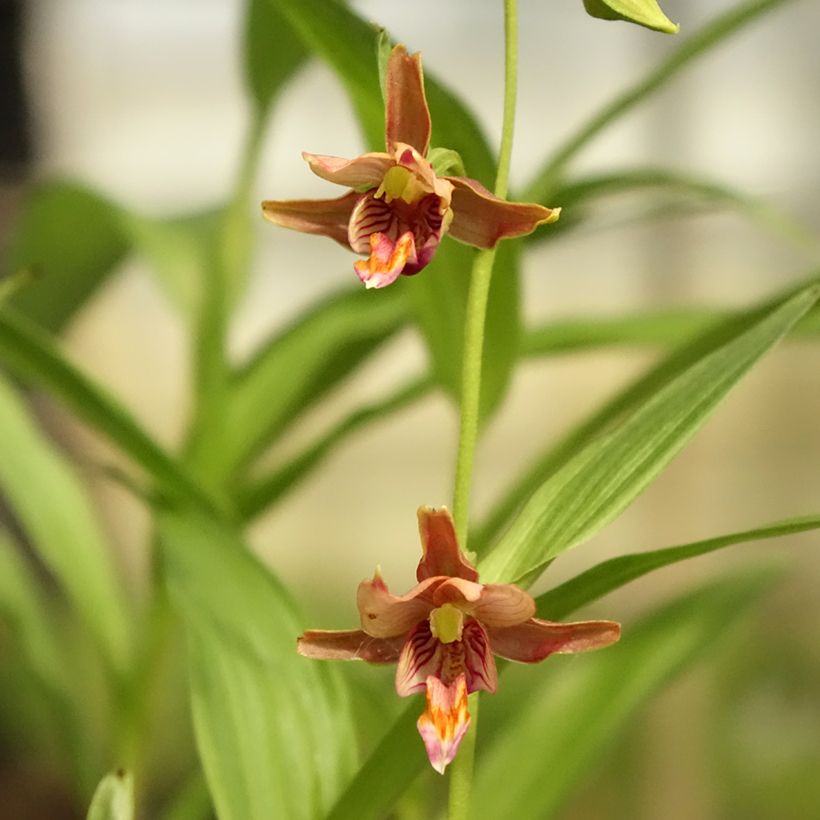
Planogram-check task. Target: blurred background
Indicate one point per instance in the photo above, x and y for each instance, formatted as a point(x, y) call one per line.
point(143, 100)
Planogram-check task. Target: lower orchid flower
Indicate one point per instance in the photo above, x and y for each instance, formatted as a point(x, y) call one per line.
point(444, 633)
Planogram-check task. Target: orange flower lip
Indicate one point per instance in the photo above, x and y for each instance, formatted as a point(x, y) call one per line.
point(413, 200)
point(443, 634)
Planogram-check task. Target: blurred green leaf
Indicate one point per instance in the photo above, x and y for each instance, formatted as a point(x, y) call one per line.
point(624, 402)
point(54, 510)
point(273, 729)
point(302, 363)
point(387, 773)
point(69, 238)
point(23, 605)
point(576, 196)
point(272, 52)
point(546, 181)
point(597, 483)
point(31, 356)
point(114, 798)
point(643, 12)
point(616, 572)
point(571, 719)
point(176, 250)
point(258, 495)
point(439, 299)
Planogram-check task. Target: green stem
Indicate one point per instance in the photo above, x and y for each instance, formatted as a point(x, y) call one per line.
point(461, 770)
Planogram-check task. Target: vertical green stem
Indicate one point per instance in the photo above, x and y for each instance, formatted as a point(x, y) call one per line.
point(461, 770)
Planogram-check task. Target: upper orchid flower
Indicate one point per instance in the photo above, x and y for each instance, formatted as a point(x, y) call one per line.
point(399, 208)
point(445, 631)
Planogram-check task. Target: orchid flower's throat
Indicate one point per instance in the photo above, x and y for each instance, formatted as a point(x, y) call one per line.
point(447, 623)
point(401, 183)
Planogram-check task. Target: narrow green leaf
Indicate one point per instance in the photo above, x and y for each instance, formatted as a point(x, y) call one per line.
point(572, 717)
point(439, 300)
point(176, 250)
point(616, 409)
point(616, 572)
point(273, 729)
point(387, 773)
point(576, 196)
point(643, 12)
point(114, 798)
point(260, 494)
point(712, 34)
point(32, 357)
point(303, 363)
point(594, 486)
point(54, 510)
point(69, 238)
point(23, 605)
point(272, 52)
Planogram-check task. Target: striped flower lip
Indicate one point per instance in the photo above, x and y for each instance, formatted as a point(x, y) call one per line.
point(444, 633)
point(398, 208)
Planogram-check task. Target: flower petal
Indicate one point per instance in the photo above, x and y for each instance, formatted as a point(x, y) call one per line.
point(441, 554)
point(482, 219)
point(479, 663)
point(495, 605)
point(420, 658)
point(387, 259)
point(407, 117)
point(365, 171)
point(534, 640)
point(385, 615)
point(348, 645)
point(327, 217)
point(443, 725)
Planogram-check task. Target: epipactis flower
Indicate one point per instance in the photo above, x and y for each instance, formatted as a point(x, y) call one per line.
point(444, 633)
point(398, 207)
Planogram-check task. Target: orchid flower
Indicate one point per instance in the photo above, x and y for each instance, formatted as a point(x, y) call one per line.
point(444, 633)
point(399, 207)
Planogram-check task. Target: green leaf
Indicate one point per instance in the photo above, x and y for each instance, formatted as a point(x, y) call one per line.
point(69, 238)
point(273, 729)
point(114, 798)
point(439, 299)
point(387, 773)
point(260, 494)
point(596, 484)
point(712, 34)
point(23, 605)
point(301, 364)
point(54, 510)
point(643, 12)
point(272, 52)
point(616, 572)
point(576, 196)
point(177, 251)
point(572, 717)
point(32, 357)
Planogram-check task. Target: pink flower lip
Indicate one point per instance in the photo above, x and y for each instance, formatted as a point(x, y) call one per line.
point(444, 633)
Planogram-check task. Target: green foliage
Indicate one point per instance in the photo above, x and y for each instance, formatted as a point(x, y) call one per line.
point(643, 12)
point(53, 508)
point(273, 730)
point(272, 53)
point(596, 582)
point(573, 720)
point(69, 238)
point(114, 798)
point(596, 484)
